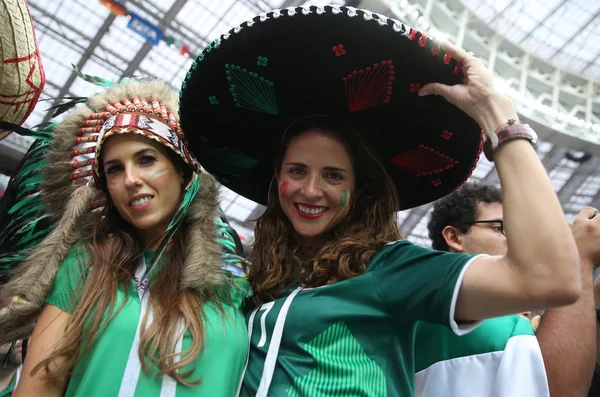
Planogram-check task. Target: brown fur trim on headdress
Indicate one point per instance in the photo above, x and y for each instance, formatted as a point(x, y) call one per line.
point(202, 269)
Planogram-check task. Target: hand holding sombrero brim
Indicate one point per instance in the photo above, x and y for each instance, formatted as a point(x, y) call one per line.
point(477, 96)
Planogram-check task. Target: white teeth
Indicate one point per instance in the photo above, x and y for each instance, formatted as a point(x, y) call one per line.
point(310, 210)
point(140, 201)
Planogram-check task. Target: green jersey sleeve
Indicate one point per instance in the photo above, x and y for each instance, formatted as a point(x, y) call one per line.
point(419, 284)
point(69, 279)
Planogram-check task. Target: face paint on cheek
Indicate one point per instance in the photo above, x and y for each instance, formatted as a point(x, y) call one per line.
point(157, 174)
point(283, 187)
point(344, 198)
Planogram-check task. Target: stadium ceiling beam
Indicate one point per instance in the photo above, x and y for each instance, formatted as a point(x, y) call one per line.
point(550, 161)
point(578, 178)
point(553, 158)
point(147, 47)
point(187, 34)
point(583, 27)
point(60, 36)
point(84, 58)
point(499, 14)
point(592, 62)
point(541, 22)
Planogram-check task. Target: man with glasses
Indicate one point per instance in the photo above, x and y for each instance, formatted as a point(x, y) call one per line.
point(504, 357)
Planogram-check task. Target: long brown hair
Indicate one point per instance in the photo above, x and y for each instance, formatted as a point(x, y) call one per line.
point(115, 251)
point(279, 262)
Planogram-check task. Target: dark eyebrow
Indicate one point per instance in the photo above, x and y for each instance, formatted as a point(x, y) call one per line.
point(136, 154)
point(335, 169)
point(328, 168)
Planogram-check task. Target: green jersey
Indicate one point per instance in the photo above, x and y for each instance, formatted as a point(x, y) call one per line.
point(354, 337)
point(10, 388)
point(501, 358)
point(106, 369)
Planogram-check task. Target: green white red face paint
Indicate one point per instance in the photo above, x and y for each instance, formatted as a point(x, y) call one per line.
point(283, 187)
point(344, 198)
point(159, 173)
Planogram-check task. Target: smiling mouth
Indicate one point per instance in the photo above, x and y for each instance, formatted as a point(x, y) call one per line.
point(140, 202)
point(310, 212)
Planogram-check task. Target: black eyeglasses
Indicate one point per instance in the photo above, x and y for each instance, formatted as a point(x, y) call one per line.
point(498, 222)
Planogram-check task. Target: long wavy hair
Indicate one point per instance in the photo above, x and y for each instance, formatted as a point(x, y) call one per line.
point(115, 251)
point(279, 261)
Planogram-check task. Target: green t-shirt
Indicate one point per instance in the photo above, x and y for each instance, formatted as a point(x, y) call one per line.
point(100, 371)
point(354, 337)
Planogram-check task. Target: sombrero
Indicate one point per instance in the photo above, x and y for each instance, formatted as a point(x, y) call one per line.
point(21, 74)
point(247, 87)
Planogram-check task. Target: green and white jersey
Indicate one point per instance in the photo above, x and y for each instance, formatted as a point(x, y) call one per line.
point(112, 368)
point(501, 358)
point(354, 337)
point(10, 388)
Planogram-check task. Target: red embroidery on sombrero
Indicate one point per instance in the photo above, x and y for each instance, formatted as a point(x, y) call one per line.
point(436, 182)
point(369, 87)
point(423, 40)
point(446, 134)
point(339, 50)
point(413, 34)
point(435, 50)
point(447, 58)
point(32, 88)
point(423, 160)
point(414, 87)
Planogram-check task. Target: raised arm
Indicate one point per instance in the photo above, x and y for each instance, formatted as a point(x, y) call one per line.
point(567, 334)
point(541, 266)
point(46, 335)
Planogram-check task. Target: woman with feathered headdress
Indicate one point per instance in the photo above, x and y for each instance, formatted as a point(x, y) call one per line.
point(127, 295)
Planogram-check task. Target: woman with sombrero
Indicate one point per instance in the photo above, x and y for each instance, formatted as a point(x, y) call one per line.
point(128, 294)
point(335, 118)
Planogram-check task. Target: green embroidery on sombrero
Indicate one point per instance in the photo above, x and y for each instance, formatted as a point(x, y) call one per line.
point(262, 61)
point(229, 162)
point(251, 91)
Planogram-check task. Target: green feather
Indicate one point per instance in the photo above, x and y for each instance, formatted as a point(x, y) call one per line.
point(99, 81)
point(177, 219)
point(188, 197)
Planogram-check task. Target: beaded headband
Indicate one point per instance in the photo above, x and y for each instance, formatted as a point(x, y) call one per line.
point(130, 115)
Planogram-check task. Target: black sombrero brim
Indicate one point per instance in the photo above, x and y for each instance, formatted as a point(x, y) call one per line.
point(245, 89)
